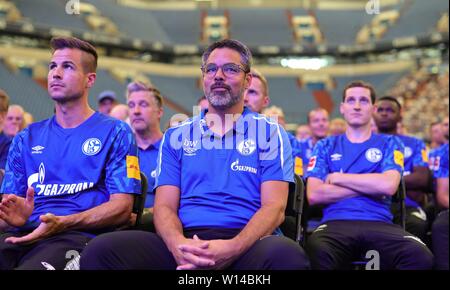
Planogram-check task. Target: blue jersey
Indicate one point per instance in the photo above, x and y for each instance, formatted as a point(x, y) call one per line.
point(297, 155)
point(5, 142)
point(147, 164)
point(220, 177)
point(415, 155)
point(301, 151)
point(72, 170)
point(441, 162)
point(376, 155)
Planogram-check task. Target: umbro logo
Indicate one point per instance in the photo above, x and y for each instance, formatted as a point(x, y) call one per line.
point(336, 157)
point(37, 149)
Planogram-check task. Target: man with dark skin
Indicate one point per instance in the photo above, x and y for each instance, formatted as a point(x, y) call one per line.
point(416, 174)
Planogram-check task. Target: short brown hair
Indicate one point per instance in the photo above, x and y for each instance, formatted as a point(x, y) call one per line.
point(236, 45)
point(319, 109)
point(89, 65)
point(138, 86)
point(360, 84)
point(256, 74)
point(4, 101)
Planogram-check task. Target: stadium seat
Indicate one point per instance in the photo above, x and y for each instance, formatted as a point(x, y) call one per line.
point(139, 201)
point(294, 210)
point(2, 174)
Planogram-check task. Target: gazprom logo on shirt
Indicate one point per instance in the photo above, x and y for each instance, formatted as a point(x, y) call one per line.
point(374, 155)
point(236, 167)
point(55, 189)
point(91, 146)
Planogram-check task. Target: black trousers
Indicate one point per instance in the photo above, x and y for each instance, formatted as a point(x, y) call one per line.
point(416, 221)
point(336, 244)
point(144, 250)
point(439, 238)
point(53, 253)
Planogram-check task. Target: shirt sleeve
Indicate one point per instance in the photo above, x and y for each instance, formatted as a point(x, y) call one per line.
point(420, 157)
point(393, 155)
point(276, 161)
point(318, 165)
point(15, 179)
point(122, 166)
point(168, 169)
point(442, 170)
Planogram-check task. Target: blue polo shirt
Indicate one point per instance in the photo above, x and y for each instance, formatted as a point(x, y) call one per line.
point(415, 155)
point(147, 164)
point(220, 177)
point(376, 155)
point(5, 142)
point(72, 170)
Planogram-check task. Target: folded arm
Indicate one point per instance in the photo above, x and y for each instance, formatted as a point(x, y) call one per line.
point(375, 184)
point(319, 192)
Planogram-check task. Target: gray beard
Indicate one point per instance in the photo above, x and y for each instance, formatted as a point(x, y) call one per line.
point(224, 101)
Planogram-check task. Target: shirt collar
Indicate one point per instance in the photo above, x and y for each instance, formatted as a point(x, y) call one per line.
point(152, 146)
point(240, 126)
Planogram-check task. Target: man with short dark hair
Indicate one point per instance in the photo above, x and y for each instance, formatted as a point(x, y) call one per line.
point(106, 101)
point(70, 177)
point(221, 186)
point(416, 173)
point(354, 176)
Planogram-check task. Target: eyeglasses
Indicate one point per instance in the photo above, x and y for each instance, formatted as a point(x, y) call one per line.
point(229, 70)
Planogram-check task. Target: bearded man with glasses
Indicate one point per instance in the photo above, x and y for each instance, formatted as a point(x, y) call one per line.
point(221, 186)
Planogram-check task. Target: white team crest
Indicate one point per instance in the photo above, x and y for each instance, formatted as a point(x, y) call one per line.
point(246, 147)
point(374, 155)
point(91, 146)
point(408, 152)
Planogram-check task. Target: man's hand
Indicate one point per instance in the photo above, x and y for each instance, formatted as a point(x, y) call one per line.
point(50, 225)
point(188, 260)
point(221, 252)
point(16, 210)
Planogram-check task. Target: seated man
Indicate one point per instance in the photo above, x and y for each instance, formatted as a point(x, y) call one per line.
point(354, 175)
point(67, 177)
point(5, 141)
point(439, 233)
point(387, 115)
point(146, 109)
point(221, 186)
